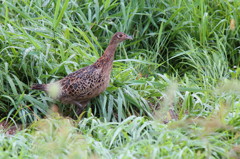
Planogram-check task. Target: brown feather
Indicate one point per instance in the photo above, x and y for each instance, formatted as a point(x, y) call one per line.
point(41, 87)
point(88, 82)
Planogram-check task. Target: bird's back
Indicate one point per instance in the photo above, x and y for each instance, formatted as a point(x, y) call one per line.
point(83, 84)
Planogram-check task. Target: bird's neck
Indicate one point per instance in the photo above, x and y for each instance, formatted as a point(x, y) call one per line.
point(109, 52)
point(108, 56)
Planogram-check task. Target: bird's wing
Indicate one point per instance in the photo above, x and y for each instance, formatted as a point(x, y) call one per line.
point(81, 83)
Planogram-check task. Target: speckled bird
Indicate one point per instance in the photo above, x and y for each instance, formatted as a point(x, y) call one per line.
point(86, 83)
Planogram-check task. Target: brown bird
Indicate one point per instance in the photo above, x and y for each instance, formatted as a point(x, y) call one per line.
point(86, 83)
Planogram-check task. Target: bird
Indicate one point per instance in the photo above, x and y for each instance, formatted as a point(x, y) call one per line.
point(79, 87)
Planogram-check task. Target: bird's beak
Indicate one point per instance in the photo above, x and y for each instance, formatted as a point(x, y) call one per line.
point(129, 37)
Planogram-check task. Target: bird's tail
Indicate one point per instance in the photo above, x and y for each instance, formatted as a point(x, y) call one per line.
point(41, 87)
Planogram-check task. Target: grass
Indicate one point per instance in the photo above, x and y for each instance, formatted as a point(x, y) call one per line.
point(133, 137)
point(184, 57)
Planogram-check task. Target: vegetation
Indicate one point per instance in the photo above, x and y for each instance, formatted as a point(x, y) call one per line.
point(184, 57)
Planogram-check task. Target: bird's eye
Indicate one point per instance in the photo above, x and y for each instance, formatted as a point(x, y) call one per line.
point(120, 36)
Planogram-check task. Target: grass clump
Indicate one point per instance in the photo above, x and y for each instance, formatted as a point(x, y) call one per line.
point(133, 137)
point(184, 58)
point(43, 42)
point(58, 138)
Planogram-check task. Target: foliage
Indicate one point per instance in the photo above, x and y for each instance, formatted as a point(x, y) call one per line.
point(134, 137)
point(184, 57)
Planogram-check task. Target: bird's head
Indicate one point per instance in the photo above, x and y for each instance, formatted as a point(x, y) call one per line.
point(119, 37)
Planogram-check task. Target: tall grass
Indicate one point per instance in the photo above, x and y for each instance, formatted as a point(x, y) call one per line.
point(44, 41)
point(56, 137)
point(184, 57)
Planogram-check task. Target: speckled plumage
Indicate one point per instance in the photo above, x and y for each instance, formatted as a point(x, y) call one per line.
point(88, 82)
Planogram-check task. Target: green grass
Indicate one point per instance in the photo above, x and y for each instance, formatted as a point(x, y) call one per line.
point(56, 137)
point(184, 56)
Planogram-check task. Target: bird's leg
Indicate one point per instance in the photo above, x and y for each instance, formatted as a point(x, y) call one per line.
point(173, 114)
point(80, 106)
